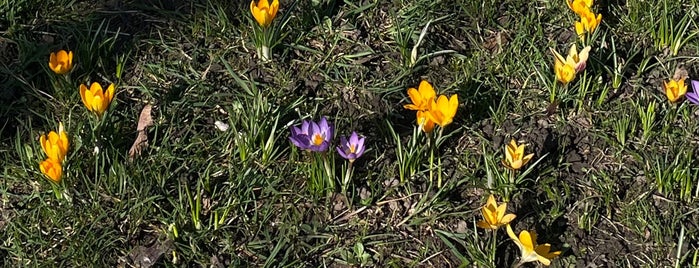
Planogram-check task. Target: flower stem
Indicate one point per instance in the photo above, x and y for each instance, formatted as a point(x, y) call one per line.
point(264, 53)
point(552, 97)
point(511, 175)
point(517, 264)
point(348, 176)
point(329, 171)
point(56, 191)
point(439, 159)
point(431, 145)
point(493, 246)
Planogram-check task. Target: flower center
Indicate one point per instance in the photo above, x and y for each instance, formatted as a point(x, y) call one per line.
point(318, 139)
point(516, 156)
point(353, 148)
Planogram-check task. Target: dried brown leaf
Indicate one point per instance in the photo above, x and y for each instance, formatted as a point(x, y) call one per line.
point(680, 73)
point(144, 121)
point(145, 257)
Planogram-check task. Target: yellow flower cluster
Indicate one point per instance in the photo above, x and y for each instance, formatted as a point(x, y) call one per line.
point(55, 146)
point(566, 68)
point(431, 111)
point(588, 19)
point(494, 217)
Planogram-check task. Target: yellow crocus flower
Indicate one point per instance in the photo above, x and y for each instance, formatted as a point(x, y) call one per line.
point(51, 169)
point(566, 68)
point(95, 99)
point(588, 23)
point(530, 250)
point(579, 6)
point(563, 68)
point(443, 110)
point(675, 89)
point(494, 215)
point(514, 156)
point(55, 145)
point(61, 62)
point(422, 97)
point(263, 12)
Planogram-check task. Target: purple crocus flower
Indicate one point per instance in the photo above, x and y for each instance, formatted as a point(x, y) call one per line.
point(351, 149)
point(299, 136)
point(312, 136)
point(693, 97)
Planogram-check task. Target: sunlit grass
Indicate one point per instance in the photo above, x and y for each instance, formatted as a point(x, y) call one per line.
point(220, 184)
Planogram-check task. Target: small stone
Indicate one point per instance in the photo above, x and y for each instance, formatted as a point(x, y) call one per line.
point(221, 126)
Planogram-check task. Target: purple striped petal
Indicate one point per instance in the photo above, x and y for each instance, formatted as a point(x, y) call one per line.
point(692, 97)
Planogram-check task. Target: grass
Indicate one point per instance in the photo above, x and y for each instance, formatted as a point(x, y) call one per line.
point(613, 181)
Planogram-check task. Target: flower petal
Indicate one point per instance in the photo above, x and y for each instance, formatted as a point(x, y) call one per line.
point(514, 238)
point(263, 4)
point(109, 94)
point(43, 142)
point(426, 90)
point(543, 260)
point(273, 8)
point(305, 127)
point(359, 149)
point(579, 28)
point(98, 105)
point(323, 124)
point(489, 214)
point(491, 201)
point(501, 211)
point(62, 56)
point(510, 151)
point(89, 100)
point(96, 89)
point(415, 98)
point(520, 151)
point(682, 87)
point(525, 238)
point(557, 57)
point(83, 90)
point(692, 97)
point(484, 225)
point(507, 218)
point(341, 152)
point(453, 105)
point(526, 159)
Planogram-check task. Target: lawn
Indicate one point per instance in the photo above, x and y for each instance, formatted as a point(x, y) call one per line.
point(227, 139)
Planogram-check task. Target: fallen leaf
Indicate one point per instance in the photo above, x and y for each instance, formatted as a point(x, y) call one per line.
point(680, 73)
point(144, 121)
point(145, 257)
point(215, 263)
